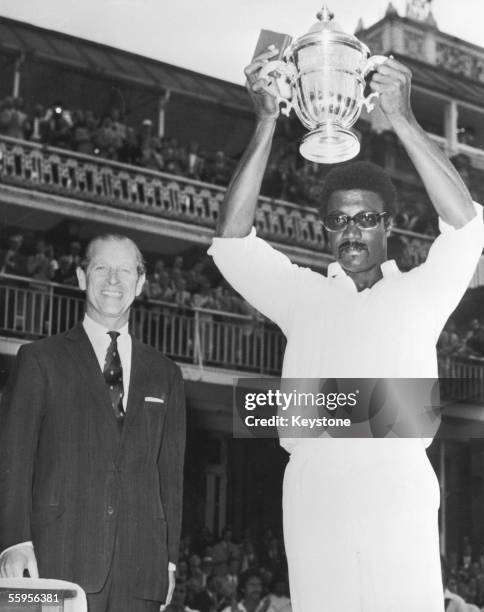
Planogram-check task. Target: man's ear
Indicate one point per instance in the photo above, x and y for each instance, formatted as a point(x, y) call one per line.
point(81, 278)
point(139, 285)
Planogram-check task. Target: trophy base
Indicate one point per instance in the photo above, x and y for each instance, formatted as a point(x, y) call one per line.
point(329, 145)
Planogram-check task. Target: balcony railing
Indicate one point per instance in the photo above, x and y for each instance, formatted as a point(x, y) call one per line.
point(94, 179)
point(31, 309)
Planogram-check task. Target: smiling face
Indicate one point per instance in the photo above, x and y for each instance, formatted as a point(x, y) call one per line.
point(111, 282)
point(360, 252)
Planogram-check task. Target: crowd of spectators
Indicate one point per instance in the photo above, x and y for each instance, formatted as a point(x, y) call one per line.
point(110, 136)
point(224, 575)
point(465, 341)
point(218, 575)
point(463, 577)
point(288, 177)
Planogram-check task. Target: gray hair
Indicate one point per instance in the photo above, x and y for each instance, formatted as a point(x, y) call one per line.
point(86, 260)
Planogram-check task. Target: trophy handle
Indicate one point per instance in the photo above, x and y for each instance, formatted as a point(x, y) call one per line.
point(283, 74)
point(371, 64)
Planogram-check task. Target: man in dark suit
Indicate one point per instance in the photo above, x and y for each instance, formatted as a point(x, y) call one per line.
point(92, 437)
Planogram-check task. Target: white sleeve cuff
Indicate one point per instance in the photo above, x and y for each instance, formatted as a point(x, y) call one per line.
point(220, 240)
point(29, 544)
point(171, 566)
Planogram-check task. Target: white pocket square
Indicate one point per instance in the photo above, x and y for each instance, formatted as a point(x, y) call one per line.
point(158, 400)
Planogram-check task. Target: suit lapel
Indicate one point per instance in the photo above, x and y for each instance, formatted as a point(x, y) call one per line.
point(82, 353)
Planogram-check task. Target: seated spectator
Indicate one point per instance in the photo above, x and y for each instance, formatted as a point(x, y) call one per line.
point(248, 556)
point(475, 339)
point(195, 167)
point(82, 136)
point(233, 570)
point(220, 301)
point(65, 275)
point(12, 260)
point(6, 113)
point(178, 602)
point(42, 265)
point(36, 126)
point(222, 586)
point(59, 123)
point(149, 147)
point(206, 567)
point(130, 153)
point(272, 556)
point(17, 119)
point(251, 594)
point(74, 254)
point(453, 601)
point(225, 548)
point(194, 568)
point(207, 600)
point(118, 123)
point(181, 156)
point(185, 546)
point(203, 298)
point(278, 596)
point(219, 170)
point(106, 140)
point(449, 343)
point(172, 165)
point(177, 268)
point(195, 277)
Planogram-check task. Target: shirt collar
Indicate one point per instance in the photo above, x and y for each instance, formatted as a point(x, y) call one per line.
point(388, 268)
point(95, 330)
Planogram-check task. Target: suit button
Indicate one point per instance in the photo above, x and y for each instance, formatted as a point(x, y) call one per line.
point(110, 510)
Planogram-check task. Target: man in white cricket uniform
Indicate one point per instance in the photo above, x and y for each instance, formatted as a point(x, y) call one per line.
point(360, 515)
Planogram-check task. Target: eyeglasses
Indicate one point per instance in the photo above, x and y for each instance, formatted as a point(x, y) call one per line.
point(337, 221)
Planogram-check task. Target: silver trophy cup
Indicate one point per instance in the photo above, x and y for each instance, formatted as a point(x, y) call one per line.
point(322, 77)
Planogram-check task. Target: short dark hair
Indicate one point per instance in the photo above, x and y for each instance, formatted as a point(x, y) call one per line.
point(140, 262)
point(359, 175)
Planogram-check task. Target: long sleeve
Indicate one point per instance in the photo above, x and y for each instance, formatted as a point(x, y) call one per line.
point(265, 277)
point(20, 420)
point(171, 464)
point(450, 264)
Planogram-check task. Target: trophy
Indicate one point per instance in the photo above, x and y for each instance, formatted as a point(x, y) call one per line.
point(322, 77)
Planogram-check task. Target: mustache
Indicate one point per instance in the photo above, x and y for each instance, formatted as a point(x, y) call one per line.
point(348, 244)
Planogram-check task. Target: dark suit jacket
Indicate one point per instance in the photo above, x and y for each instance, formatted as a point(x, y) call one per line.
point(69, 478)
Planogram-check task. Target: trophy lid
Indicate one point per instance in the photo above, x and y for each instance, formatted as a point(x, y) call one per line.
point(325, 23)
point(328, 29)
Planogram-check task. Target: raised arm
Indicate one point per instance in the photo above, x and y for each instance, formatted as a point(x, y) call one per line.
point(238, 208)
point(444, 186)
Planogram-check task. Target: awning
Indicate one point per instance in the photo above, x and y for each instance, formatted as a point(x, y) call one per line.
point(437, 79)
point(17, 38)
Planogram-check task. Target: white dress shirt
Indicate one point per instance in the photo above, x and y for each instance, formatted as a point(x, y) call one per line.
point(100, 341)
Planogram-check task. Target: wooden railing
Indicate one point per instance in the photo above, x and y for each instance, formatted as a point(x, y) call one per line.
point(94, 179)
